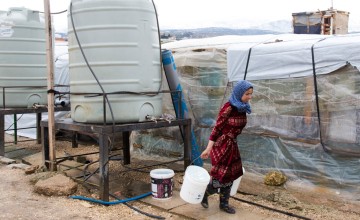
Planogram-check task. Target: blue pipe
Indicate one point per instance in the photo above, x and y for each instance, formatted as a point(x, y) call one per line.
point(112, 202)
point(174, 84)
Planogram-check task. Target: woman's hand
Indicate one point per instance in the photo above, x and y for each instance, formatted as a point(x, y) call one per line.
point(205, 154)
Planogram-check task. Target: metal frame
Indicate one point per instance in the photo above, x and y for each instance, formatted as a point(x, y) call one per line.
point(104, 131)
point(11, 111)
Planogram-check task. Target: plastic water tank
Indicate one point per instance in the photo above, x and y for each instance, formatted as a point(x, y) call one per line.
point(22, 58)
point(120, 41)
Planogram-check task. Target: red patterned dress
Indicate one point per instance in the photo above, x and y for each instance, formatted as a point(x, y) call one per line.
point(225, 154)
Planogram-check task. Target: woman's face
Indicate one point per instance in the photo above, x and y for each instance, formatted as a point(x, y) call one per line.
point(247, 95)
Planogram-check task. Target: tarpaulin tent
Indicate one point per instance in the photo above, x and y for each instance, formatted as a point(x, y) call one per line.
point(306, 103)
point(312, 80)
point(287, 56)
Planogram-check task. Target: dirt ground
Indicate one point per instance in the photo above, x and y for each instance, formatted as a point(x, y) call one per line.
point(18, 201)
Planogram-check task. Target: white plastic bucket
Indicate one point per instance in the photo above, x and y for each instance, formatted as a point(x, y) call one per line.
point(162, 183)
point(236, 184)
point(194, 186)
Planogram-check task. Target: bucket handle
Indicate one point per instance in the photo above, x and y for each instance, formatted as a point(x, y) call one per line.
point(192, 162)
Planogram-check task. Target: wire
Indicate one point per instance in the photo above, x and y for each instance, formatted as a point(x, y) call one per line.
point(54, 13)
point(317, 96)
point(107, 99)
point(14, 123)
point(138, 210)
point(158, 164)
point(159, 37)
point(271, 209)
point(60, 12)
point(126, 92)
point(112, 202)
point(94, 75)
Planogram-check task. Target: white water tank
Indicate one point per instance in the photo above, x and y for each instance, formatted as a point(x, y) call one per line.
point(120, 41)
point(22, 58)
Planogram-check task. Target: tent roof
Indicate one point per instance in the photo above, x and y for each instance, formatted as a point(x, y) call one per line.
point(220, 42)
point(290, 55)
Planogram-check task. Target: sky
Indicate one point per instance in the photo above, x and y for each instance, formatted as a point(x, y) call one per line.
point(213, 13)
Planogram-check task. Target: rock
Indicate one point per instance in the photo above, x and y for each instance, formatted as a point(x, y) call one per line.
point(58, 185)
point(5, 160)
point(86, 204)
point(21, 166)
point(275, 178)
point(81, 159)
point(31, 169)
point(41, 176)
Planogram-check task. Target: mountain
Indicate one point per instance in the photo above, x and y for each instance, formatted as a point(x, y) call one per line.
point(281, 26)
point(180, 34)
point(276, 27)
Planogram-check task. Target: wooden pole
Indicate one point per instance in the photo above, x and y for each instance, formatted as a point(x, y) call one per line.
point(50, 84)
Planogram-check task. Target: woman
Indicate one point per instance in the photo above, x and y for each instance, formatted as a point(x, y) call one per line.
point(223, 148)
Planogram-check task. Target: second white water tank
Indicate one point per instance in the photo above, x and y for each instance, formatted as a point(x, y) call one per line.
point(22, 58)
point(120, 41)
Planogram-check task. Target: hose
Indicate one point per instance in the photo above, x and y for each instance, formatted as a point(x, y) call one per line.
point(112, 202)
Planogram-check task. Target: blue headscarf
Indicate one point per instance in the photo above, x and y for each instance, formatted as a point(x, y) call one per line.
point(235, 99)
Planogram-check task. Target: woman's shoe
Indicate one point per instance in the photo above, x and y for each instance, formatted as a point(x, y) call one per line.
point(227, 209)
point(204, 202)
point(224, 200)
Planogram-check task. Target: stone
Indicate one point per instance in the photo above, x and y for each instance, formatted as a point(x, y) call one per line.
point(31, 169)
point(58, 185)
point(275, 178)
point(5, 160)
point(21, 166)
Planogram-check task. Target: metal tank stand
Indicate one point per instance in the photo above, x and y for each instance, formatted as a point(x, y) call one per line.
point(14, 111)
point(104, 132)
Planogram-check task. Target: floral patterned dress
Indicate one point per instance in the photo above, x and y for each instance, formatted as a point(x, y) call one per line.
point(225, 154)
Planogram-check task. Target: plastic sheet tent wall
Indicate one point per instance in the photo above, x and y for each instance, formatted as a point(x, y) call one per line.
point(283, 132)
point(284, 74)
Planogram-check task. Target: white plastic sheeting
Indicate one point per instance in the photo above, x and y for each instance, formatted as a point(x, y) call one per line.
point(287, 56)
point(221, 42)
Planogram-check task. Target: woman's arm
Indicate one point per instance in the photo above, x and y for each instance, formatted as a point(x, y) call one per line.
point(217, 130)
